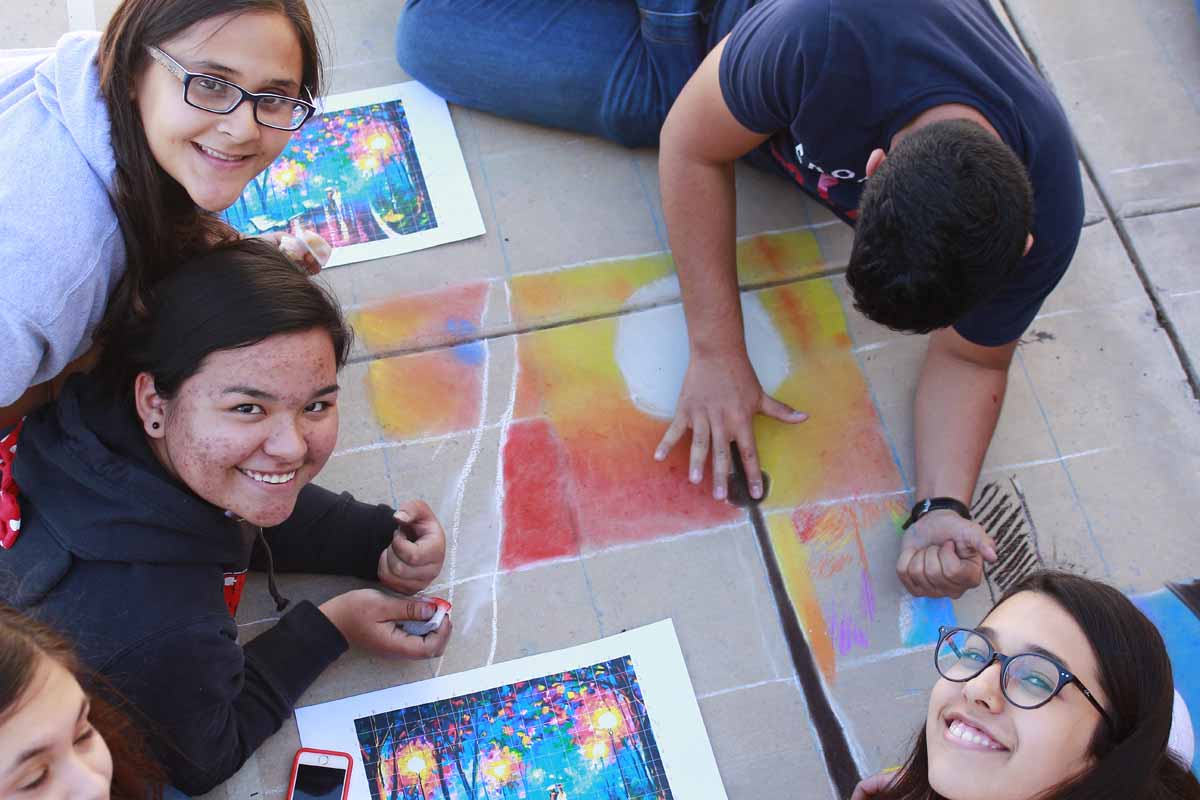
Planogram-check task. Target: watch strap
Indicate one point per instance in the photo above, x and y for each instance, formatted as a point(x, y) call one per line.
point(923, 507)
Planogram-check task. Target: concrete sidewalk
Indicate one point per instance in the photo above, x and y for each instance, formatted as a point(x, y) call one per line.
point(501, 380)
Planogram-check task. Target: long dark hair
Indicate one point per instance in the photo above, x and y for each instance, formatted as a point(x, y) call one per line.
point(23, 645)
point(1132, 761)
point(235, 295)
point(159, 222)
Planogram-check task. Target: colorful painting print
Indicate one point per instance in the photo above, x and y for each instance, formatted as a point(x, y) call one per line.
point(361, 175)
point(583, 723)
point(578, 734)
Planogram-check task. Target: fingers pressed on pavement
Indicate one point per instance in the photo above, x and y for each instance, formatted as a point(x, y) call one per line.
point(721, 464)
point(780, 411)
point(700, 439)
point(750, 465)
point(674, 433)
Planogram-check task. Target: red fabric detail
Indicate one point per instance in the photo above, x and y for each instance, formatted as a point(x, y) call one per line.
point(791, 168)
point(234, 583)
point(10, 508)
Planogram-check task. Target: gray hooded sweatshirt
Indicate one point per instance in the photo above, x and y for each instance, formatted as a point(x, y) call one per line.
point(61, 249)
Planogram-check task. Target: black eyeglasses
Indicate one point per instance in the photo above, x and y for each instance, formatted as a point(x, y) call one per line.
point(1027, 680)
point(220, 96)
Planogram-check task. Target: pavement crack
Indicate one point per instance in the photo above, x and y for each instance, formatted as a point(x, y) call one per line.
point(1139, 268)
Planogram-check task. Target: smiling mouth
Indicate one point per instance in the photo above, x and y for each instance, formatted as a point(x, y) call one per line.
point(217, 154)
point(273, 478)
point(969, 734)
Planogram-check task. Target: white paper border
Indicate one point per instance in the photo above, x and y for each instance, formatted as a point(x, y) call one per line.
point(442, 165)
point(661, 672)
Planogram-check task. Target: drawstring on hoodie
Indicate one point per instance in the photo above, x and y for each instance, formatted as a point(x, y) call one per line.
point(281, 602)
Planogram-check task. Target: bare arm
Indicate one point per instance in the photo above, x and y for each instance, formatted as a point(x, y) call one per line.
point(37, 396)
point(700, 142)
point(959, 397)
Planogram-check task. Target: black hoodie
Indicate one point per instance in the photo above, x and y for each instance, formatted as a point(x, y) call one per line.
point(131, 565)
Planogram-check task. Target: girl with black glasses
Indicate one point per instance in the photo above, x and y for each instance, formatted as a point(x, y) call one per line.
point(1064, 691)
point(119, 151)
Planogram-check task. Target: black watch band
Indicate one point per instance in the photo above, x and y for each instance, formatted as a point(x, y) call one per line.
point(936, 504)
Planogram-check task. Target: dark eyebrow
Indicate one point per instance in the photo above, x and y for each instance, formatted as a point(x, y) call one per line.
point(259, 394)
point(990, 634)
point(249, 391)
point(84, 707)
point(212, 66)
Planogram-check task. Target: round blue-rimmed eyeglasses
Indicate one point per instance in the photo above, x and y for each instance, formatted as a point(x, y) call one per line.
point(210, 93)
point(1027, 680)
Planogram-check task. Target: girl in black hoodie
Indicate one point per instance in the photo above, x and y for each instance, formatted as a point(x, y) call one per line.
point(151, 486)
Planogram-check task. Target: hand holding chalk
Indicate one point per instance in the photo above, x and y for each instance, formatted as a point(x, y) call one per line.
point(942, 555)
point(419, 628)
point(308, 249)
point(373, 620)
point(418, 548)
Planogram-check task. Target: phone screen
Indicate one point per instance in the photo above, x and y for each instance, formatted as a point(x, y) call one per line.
point(319, 783)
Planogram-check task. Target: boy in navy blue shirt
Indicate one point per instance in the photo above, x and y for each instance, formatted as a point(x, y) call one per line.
point(920, 122)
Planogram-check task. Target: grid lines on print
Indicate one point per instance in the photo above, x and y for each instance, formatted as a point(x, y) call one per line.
point(353, 176)
point(583, 734)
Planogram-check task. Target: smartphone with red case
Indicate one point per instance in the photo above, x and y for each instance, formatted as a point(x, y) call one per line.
point(320, 775)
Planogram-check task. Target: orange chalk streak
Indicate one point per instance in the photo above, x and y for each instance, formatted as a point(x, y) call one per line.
point(428, 319)
point(793, 562)
point(425, 394)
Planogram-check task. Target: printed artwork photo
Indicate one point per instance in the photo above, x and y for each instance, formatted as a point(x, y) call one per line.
point(353, 176)
point(583, 734)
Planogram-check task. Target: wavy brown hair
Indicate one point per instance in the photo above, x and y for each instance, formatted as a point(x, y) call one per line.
point(1130, 762)
point(160, 224)
point(23, 645)
point(235, 295)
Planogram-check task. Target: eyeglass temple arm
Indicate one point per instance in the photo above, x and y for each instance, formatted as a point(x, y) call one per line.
point(1091, 699)
point(171, 64)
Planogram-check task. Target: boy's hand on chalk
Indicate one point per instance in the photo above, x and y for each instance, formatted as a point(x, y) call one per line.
point(942, 555)
point(418, 548)
point(309, 249)
point(718, 402)
point(369, 620)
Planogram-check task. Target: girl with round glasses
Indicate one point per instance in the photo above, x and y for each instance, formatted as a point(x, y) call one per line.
point(1063, 691)
point(119, 151)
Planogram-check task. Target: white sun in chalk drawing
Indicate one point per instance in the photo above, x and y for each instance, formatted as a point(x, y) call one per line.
point(652, 347)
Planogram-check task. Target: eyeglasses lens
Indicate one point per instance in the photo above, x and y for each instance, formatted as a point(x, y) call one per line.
point(221, 97)
point(1031, 680)
point(280, 112)
point(212, 95)
point(962, 655)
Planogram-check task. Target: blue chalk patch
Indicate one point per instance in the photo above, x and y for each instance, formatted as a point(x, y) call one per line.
point(472, 353)
point(920, 618)
point(1180, 629)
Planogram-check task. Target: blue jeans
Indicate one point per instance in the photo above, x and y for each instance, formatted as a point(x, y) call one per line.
point(609, 68)
point(171, 793)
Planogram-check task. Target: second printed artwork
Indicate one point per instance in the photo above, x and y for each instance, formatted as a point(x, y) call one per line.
point(614, 719)
point(376, 173)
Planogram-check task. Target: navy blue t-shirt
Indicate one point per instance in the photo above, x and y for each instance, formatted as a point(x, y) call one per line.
point(834, 79)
